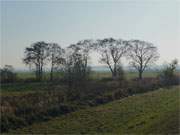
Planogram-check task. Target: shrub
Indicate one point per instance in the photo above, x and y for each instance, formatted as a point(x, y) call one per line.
point(18, 111)
point(120, 73)
point(103, 99)
point(7, 74)
point(106, 79)
point(167, 76)
point(144, 85)
point(120, 93)
point(11, 122)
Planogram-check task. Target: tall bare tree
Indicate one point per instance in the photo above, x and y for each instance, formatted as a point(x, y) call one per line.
point(76, 67)
point(141, 54)
point(84, 47)
point(56, 57)
point(111, 51)
point(36, 55)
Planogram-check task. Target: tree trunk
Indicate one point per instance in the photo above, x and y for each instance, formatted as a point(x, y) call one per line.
point(115, 72)
point(112, 72)
point(114, 76)
point(140, 75)
point(41, 73)
point(52, 67)
point(37, 72)
point(51, 74)
point(141, 68)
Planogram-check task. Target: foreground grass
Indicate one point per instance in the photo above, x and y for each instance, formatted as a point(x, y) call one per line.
point(153, 112)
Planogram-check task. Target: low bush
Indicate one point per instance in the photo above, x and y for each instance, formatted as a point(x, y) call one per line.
point(144, 85)
point(103, 99)
point(7, 74)
point(120, 93)
point(106, 79)
point(167, 76)
point(9, 121)
point(18, 111)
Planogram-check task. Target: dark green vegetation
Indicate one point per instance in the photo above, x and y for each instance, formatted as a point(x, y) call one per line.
point(23, 104)
point(154, 112)
point(94, 75)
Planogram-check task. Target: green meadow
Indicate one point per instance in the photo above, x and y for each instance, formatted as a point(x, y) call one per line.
point(94, 74)
point(154, 112)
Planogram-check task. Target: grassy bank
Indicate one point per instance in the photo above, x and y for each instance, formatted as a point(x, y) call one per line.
point(152, 112)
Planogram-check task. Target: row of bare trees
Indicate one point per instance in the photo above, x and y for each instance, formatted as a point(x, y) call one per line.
point(140, 55)
point(39, 53)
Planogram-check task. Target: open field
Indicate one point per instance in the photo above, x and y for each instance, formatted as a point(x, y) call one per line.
point(38, 86)
point(30, 75)
point(154, 112)
point(94, 74)
point(129, 75)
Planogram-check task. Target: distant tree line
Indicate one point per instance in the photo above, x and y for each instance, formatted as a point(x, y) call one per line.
point(75, 90)
point(73, 61)
point(74, 58)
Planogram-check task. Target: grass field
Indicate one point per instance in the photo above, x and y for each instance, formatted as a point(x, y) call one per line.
point(27, 75)
point(94, 74)
point(153, 112)
point(21, 89)
point(97, 75)
point(38, 86)
point(128, 75)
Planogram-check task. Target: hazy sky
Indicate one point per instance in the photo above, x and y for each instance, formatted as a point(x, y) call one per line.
point(23, 23)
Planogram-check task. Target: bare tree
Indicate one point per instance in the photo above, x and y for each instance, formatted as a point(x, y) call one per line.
point(111, 51)
point(84, 47)
point(142, 55)
point(56, 57)
point(76, 67)
point(36, 55)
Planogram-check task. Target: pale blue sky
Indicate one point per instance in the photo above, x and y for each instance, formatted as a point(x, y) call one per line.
point(63, 22)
